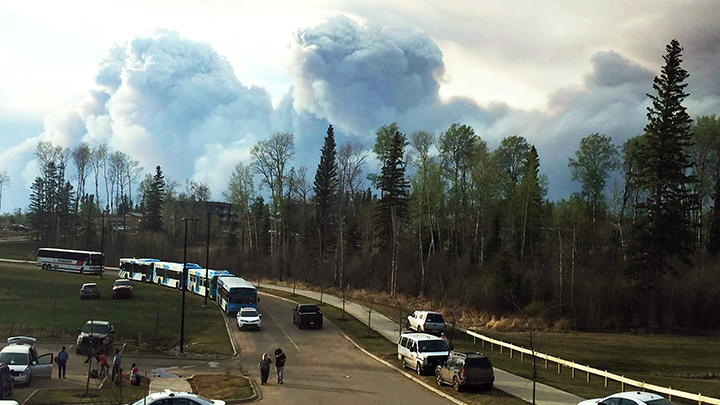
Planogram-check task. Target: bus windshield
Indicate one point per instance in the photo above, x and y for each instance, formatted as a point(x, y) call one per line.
point(242, 296)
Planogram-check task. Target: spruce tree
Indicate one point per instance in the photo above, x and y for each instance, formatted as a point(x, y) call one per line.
point(325, 188)
point(392, 211)
point(666, 233)
point(153, 220)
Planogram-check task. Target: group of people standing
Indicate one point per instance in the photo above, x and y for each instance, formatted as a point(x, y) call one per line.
point(266, 362)
point(62, 359)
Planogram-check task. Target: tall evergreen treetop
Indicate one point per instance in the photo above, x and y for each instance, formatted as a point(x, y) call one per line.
point(667, 232)
point(326, 181)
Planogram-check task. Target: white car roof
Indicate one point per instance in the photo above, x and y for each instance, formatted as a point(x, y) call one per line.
point(642, 396)
point(420, 336)
point(177, 394)
point(428, 312)
point(89, 284)
point(16, 349)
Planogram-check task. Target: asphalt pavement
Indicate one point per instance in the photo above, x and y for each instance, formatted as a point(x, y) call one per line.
point(504, 381)
point(322, 365)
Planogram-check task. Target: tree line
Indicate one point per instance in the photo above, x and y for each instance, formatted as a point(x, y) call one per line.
point(449, 218)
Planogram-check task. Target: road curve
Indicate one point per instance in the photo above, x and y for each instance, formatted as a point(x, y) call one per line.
point(322, 366)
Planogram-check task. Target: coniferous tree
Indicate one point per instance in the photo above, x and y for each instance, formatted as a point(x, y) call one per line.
point(325, 188)
point(392, 211)
point(666, 234)
point(153, 220)
point(531, 194)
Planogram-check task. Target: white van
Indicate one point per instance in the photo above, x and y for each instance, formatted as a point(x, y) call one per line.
point(22, 358)
point(422, 352)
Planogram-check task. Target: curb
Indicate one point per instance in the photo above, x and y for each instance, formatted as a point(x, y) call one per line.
point(381, 361)
point(230, 335)
point(31, 395)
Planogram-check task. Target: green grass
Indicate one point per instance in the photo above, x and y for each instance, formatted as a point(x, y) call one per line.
point(673, 361)
point(109, 394)
point(222, 386)
point(378, 345)
point(48, 303)
point(19, 250)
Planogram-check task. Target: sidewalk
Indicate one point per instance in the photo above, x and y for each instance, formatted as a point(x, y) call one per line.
point(504, 381)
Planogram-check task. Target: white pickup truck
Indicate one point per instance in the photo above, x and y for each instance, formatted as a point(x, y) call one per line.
point(426, 321)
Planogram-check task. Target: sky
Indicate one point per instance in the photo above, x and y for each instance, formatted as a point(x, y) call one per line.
point(192, 85)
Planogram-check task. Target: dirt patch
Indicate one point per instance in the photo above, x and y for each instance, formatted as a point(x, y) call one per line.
point(221, 386)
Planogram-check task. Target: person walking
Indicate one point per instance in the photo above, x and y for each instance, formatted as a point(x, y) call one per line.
point(103, 365)
point(62, 359)
point(117, 362)
point(280, 364)
point(265, 363)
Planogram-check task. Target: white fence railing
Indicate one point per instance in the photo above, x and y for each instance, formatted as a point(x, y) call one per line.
point(642, 385)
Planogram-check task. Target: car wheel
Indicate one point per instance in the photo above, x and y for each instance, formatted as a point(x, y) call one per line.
point(489, 386)
point(438, 377)
point(456, 385)
point(418, 369)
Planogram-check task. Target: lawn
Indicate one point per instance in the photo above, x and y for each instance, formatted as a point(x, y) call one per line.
point(19, 250)
point(109, 394)
point(222, 386)
point(375, 343)
point(687, 363)
point(48, 304)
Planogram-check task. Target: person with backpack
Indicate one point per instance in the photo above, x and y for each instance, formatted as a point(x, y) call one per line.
point(280, 364)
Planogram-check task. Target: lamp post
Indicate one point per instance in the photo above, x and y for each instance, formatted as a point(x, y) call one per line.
point(183, 280)
point(207, 260)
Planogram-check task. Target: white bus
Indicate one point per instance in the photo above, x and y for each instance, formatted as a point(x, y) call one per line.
point(76, 261)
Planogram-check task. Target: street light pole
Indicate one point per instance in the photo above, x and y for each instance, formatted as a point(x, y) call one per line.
point(183, 281)
point(207, 260)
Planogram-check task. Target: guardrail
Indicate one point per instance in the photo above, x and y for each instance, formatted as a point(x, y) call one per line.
point(592, 371)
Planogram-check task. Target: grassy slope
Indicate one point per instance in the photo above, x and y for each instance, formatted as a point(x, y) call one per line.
point(50, 301)
point(19, 250)
point(381, 347)
point(665, 360)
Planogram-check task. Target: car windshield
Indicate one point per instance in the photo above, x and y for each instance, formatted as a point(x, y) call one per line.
point(661, 401)
point(123, 283)
point(248, 313)
point(477, 362)
point(435, 318)
point(432, 346)
point(90, 287)
point(14, 359)
point(93, 328)
point(308, 308)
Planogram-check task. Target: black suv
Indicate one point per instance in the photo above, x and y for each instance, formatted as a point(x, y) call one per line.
point(463, 369)
point(95, 337)
point(7, 382)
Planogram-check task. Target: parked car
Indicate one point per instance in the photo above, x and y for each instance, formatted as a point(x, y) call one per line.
point(307, 315)
point(95, 337)
point(629, 398)
point(7, 382)
point(421, 351)
point(90, 291)
point(465, 369)
point(24, 363)
point(426, 322)
point(122, 288)
point(248, 318)
point(176, 397)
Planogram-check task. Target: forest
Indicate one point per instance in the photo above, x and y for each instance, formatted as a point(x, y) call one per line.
point(446, 218)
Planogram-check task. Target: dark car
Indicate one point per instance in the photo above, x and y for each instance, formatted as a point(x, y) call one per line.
point(95, 337)
point(7, 382)
point(90, 291)
point(122, 288)
point(307, 315)
point(465, 369)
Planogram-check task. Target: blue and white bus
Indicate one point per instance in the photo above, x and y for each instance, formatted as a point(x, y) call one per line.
point(137, 269)
point(198, 284)
point(170, 273)
point(234, 293)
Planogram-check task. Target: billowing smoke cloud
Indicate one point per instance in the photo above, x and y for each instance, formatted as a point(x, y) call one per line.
point(175, 102)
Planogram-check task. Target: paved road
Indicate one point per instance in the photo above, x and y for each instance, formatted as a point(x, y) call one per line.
point(322, 366)
point(504, 381)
